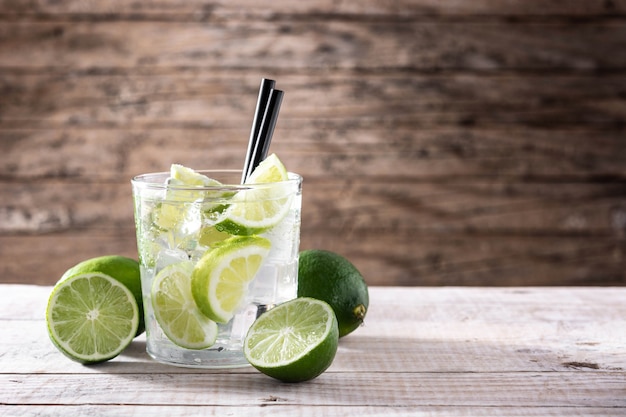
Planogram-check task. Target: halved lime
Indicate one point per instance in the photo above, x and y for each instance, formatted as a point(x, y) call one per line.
point(123, 269)
point(220, 279)
point(295, 341)
point(91, 317)
point(255, 210)
point(176, 311)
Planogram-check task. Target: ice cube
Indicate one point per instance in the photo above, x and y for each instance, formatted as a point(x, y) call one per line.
point(170, 256)
point(284, 237)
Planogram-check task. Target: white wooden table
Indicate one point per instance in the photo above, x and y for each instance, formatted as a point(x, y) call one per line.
point(423, 351)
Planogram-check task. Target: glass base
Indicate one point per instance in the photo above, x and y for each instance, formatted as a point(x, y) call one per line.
point(215, 357)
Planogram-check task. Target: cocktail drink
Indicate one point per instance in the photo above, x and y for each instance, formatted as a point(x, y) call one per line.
point(214, 254)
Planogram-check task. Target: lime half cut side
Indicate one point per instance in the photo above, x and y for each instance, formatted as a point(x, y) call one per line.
point(91, 317)
point(221, 277)
point(176, 312)
point(124, 270)
point(255, 210)
point(295, 341)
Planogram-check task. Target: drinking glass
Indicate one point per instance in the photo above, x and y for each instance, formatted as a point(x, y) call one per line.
point(180, 224)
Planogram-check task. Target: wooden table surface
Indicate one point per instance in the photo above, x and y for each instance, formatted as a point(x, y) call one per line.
point(437, 351)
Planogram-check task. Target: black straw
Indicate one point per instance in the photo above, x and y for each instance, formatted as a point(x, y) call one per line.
point(266, 130)
point(264, 93)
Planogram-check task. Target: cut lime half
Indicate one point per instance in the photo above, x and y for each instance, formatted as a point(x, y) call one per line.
point(176, 312)
point(295, 341)
point(220, 279)
point(255, 210)
point(124, 270)
point(91, 317)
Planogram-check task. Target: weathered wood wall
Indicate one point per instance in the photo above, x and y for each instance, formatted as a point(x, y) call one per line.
point(442, 142)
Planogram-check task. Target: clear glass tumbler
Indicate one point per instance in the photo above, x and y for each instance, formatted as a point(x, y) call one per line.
point(179, 224)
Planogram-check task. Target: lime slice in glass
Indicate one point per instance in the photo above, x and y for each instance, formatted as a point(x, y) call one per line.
point(210, 236)
point(271, 169)
point(295, 341)
point(256, 210)
point(176, 311)
point(91, 317)
point(183, 175)
point(186, 188)
point(220, 279)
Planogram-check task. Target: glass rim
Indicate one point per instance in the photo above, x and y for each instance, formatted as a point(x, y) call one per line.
point(156, 181)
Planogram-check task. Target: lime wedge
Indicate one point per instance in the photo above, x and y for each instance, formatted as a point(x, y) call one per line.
point(295, 341)
point(220, 279)
point(91, 317)
point(176, 311)
point(182, 175)
point(271, 169)
point(186, 183)
point(255, 210)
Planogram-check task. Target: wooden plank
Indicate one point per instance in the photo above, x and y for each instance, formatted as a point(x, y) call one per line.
point(275, 407)
point(152, 99)
point(588, 389)
point(423, 353)
point(389, 207)
point(436, 322)
point(468, 259)
point(320, 44)
point(384, 259)
point(478, 324)
point(341, 153)
point(471, 351)
point(201, 9)
point(394, 234)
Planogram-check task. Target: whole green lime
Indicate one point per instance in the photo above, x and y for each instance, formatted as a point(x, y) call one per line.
point(330, 277)
point(122, 269)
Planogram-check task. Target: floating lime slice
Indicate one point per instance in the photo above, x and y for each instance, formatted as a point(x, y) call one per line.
point(183, 175)
point(185, 187)
point(295, 341)
point(258, 209)
point(91, 317)
point(210, 236)
point(175, 310)
point(220, 279)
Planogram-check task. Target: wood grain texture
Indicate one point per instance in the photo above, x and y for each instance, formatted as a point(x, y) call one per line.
point(202, 9)
point(190, 99)
point(296, 411)
point(313, 44)
point(441, 142)
point(451, 351)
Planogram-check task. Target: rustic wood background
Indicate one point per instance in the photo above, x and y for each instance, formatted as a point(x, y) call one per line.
point(442, 142)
